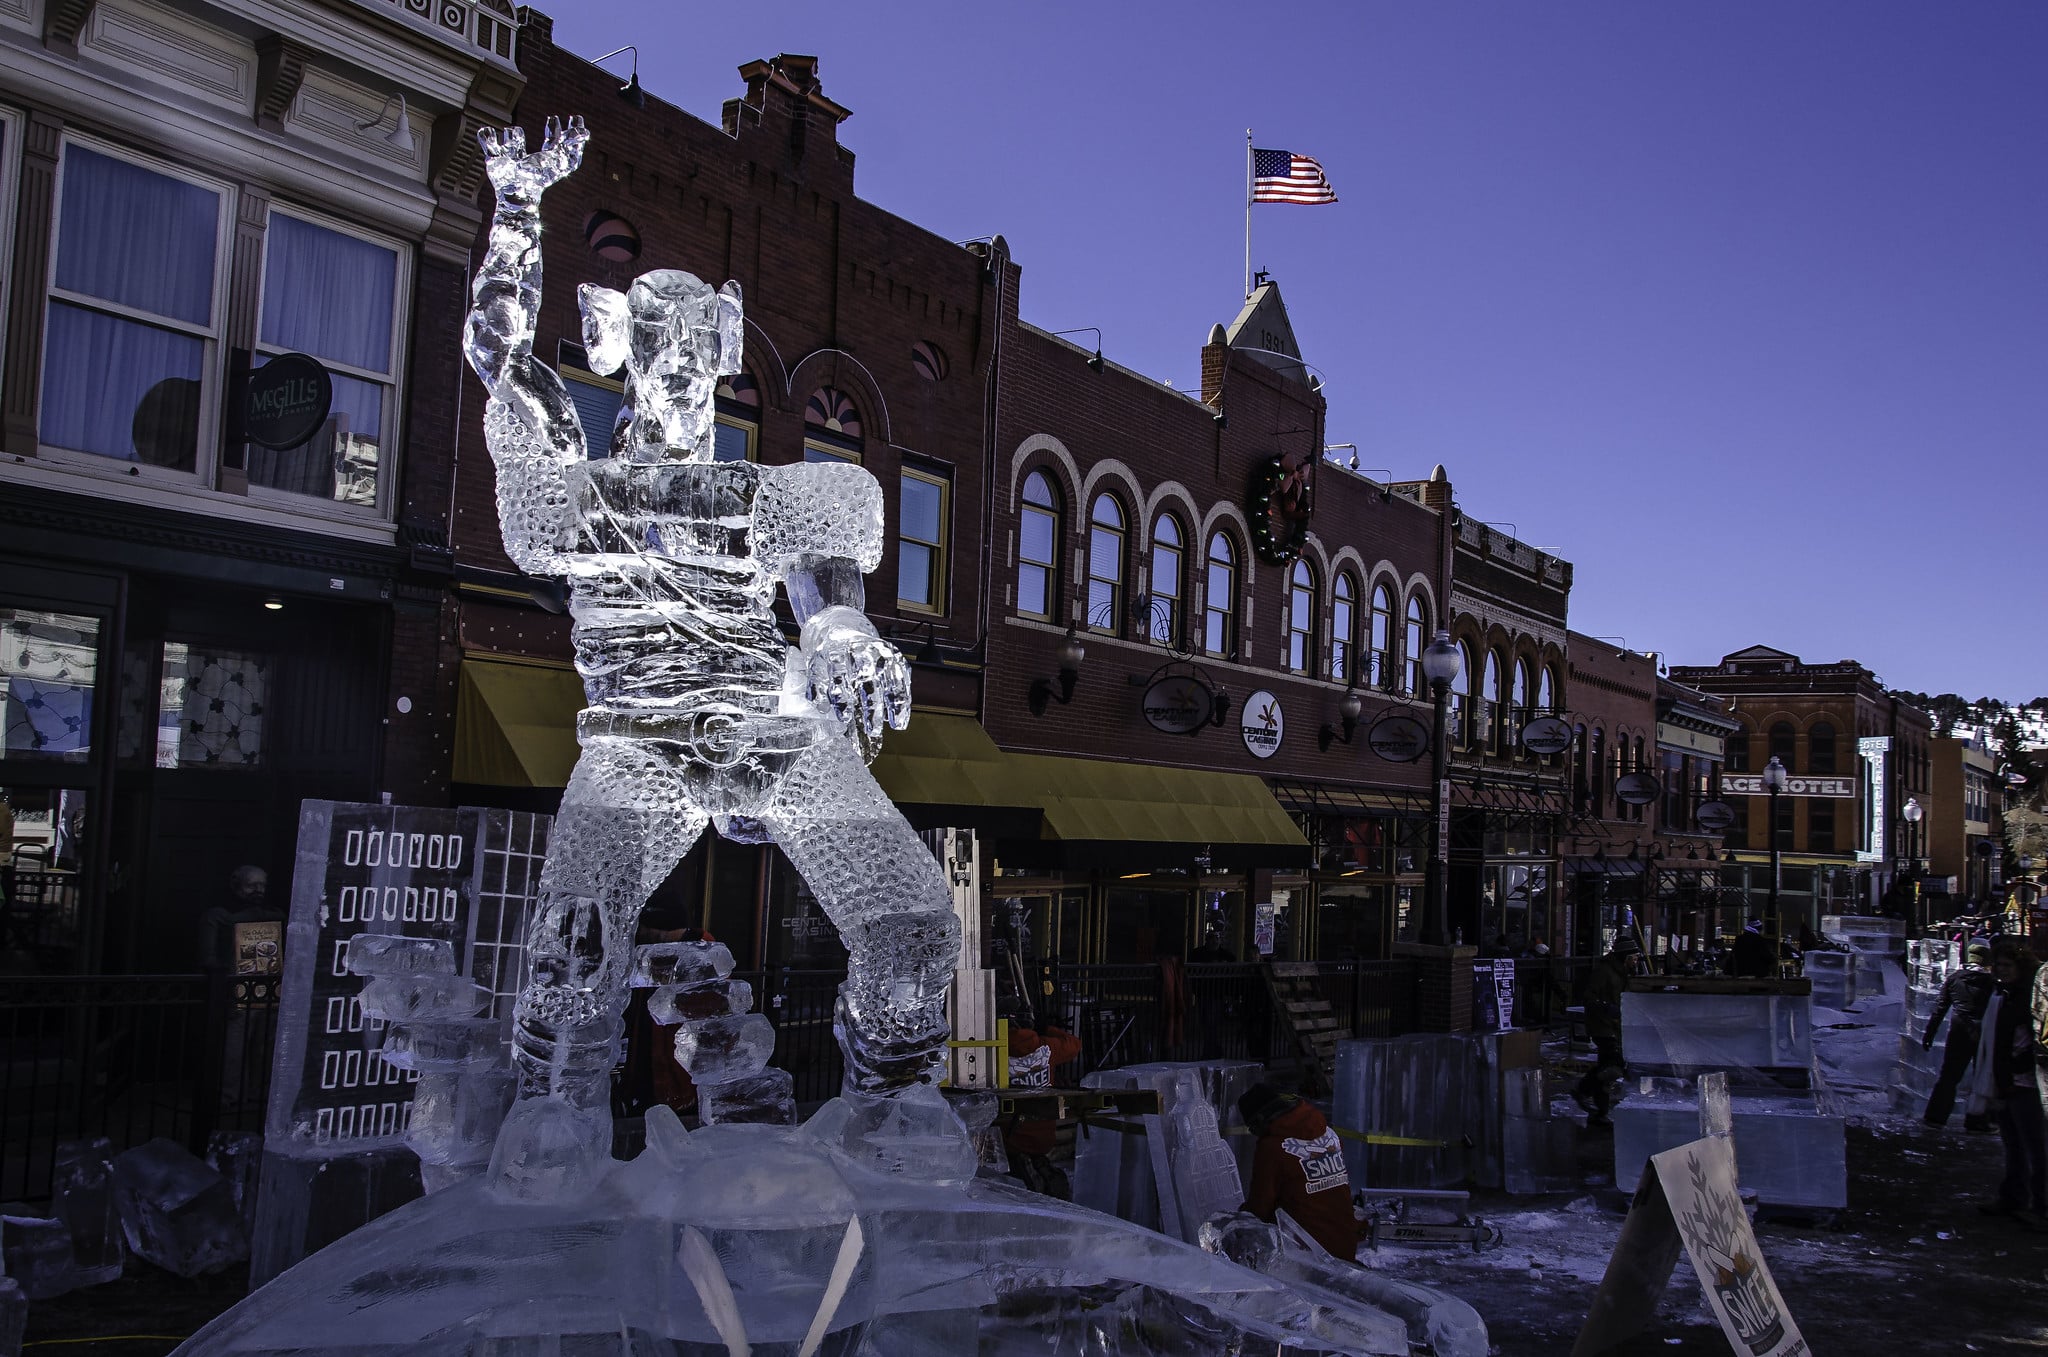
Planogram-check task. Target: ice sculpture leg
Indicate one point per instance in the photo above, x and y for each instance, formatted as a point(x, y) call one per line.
point(623, 826)
point(888, 897)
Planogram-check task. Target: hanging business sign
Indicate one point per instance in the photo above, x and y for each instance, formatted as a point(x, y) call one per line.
point(1716, 817)
point(1262, 724)
point(1179, 704)
point(1637, 789)
point(1546, 735)
point(1398, 738)
point(286, 401)
point(1752, 784)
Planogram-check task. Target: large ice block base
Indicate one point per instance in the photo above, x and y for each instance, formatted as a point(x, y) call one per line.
point(770, 1240)
point(1790, 1148)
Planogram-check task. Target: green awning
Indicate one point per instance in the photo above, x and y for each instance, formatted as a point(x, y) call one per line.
point(1092, 799)
point(515, 724)
point(947, 760)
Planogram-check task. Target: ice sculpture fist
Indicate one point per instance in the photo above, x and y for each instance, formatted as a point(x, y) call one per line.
point(520, 177)
point(857, 675)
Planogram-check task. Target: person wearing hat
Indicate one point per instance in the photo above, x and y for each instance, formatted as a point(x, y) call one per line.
point(1298, 1167)
point(1968, 994)
point(1751, 956)
point(1604, 986)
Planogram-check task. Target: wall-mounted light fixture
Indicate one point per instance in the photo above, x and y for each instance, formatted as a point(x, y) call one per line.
point(274, 603)
point(1094, 363)
point(630, 91)
point(1350, 709)
point(928, 652)
point(1044, 690)
point(401, 131)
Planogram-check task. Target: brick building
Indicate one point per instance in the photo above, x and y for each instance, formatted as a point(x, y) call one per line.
point(209, 615)
point(1859, 756)
point(1610, 871)
point(1962, 827)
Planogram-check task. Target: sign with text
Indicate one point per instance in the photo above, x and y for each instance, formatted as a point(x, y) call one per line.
point(1637, 789)
point(1716, 817)
point(1671, 736)
point(1798, 784)
point(1398, 738)
point(1546, 735)
point(1263, 927)
point(1179, 704)
point(1262, 724)
point(287, 401)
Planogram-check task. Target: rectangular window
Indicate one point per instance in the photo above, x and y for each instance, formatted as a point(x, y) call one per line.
point(48, 662)
point(334, 295)
point(129, 346)
point(921, 542)
point(1820, 825)
point(1782, 829)
point(733, 441)
point(1676, 814)
point(597, 401)
point(814, 451)
point(1037, 530)
point(210, 708)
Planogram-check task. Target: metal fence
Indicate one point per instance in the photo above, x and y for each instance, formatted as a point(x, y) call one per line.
point(128, 1057)
point(1546, 988)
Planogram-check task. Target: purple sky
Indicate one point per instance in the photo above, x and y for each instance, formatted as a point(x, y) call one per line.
point(1741, 307)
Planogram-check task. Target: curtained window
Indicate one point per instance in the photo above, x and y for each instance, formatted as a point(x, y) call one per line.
point(1169, 586)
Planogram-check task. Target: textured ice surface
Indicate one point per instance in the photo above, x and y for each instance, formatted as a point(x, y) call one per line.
point(177, 1212)
point(13, 1317)
point(1114, 1173)
point(393, 954)
point(83, 1198)
point(451, 1045)
point(755, 1238)
point(237, 1156)
point(402, 998)
point(672, 1004)
point(769, 1096)
point(1688, 1033)
point(679, 963)
point(719, 1050)
point(37, 1253)
point(1790, 1145)
point(456, 1115)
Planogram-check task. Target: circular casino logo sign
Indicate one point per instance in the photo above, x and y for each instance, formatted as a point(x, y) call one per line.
point(1179, 704)
point(1546, 735)
point(1262, 724)
point(1637, 789)
point(1716, 817)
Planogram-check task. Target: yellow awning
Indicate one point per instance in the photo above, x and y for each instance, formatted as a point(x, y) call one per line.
point(947, 760)
point(515, 723)
point(1141, 803)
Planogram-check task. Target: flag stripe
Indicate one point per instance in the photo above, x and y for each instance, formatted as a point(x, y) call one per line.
point(1285, 177)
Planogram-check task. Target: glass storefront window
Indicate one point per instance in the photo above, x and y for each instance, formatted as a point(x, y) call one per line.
point(42, 855)
point(210, 708)
point(49, 662)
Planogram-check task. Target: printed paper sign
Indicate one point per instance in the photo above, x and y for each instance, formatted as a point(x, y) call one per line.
point(1699, 1183)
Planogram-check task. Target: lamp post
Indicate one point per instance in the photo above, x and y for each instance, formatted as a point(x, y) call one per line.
point(1774, 783)
point(1912, 813)
point(2026, 880)
point(1441, 661)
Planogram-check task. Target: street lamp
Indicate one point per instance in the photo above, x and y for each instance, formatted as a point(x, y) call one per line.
point(1774, 783)
point(1441, 661)
point(1912, 813)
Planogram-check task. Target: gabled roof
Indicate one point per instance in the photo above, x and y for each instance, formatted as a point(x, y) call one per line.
point(1262, 332)
point(1758, 653)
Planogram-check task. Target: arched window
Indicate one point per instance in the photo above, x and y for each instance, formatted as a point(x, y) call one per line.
point(1169, 586)
point(1490, 719)
point(1105, 564)
point(1382, 675)
point(1460, 726)
point(1596, 773)
point(1343, 603)
point(1219, 601)
point(1415, 629)
point(1820, 748)
point(1784, 743)
point(1519, 699)
point(1301, 617)
point(832, 427)
point(1580, 791)
point(738, 421)
point(1038, 548)
point(1738, 752)
point(1546, 691)
point(1638, 764)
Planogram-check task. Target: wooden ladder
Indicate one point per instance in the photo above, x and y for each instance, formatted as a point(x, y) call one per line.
point(1311, 1023)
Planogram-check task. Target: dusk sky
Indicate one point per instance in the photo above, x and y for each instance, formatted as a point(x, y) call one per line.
point(1741, 307)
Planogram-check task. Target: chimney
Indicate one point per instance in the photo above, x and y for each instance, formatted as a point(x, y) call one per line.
point(792, 125)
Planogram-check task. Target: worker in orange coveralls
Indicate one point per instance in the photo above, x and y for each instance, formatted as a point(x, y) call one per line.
point(1033, 1055)
point(1298, 1167)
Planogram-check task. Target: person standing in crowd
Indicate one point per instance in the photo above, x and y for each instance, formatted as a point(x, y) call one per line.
point(1968, 993)
point(1604, 987)
point(224, 934)
point(1298, 1167)
point(2016, 1101)
point(1034, 1054)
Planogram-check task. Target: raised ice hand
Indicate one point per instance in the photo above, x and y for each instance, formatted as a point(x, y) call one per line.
point(854, 673)
point(522, 177)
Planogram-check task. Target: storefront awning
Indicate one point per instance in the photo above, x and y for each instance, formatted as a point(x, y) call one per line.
point(946, 760)
point(1092, 799)
point(515, 723)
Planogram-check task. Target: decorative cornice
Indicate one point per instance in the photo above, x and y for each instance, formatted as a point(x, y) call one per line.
point(280, 70)
point(63, 21)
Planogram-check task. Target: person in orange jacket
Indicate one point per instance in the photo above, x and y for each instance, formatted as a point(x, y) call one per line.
point(1033, 1056)
point(1298, 1167)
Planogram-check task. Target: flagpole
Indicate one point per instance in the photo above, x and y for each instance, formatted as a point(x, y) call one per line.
point(1247, 213)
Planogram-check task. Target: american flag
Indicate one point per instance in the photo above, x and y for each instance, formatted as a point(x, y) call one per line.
point(1284, 177)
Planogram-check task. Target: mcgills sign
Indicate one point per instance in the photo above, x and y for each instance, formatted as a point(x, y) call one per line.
point(287, 401)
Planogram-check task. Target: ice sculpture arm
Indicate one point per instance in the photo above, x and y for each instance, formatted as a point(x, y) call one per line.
point(529, 423)
point(818, 527)
point(1942, 1003)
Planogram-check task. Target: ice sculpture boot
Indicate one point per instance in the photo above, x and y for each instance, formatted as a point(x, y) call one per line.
point(550, 1150)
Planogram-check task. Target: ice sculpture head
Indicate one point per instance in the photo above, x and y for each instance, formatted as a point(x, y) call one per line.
point(675, 335)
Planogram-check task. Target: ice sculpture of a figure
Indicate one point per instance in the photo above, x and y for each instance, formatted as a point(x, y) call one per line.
point(699, 712)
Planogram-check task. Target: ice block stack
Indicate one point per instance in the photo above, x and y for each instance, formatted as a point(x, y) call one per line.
point(1539, 1152)
point(1834, 978)
point(434, 1028)
point(1876, 943)
point(175, 1211)
point(1929, 963)
point(1426, 1086)
point(1121, 1175)
point(724, 1046)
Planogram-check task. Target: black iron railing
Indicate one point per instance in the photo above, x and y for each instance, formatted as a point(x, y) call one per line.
point(1546, 987)
point(128, 1057)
